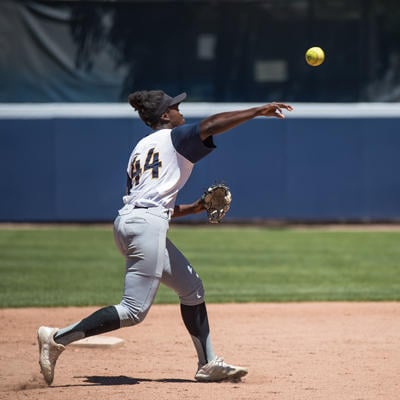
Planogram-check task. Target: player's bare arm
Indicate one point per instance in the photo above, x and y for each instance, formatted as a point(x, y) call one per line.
point(222, 122)
point(187, 209)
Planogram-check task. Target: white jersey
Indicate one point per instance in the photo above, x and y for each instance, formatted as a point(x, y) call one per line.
point(161, 163)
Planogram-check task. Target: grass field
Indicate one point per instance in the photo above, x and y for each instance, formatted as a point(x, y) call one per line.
point(76, 266)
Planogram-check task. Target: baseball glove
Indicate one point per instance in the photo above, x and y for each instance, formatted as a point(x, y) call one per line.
point(216, 200)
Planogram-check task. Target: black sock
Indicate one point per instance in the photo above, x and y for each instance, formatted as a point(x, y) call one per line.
point(196, 321)
point(104, 320)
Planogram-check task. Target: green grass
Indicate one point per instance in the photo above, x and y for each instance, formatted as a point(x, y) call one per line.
point(60, 266)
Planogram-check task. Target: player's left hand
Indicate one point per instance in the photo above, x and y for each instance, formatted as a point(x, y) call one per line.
point(216, 201)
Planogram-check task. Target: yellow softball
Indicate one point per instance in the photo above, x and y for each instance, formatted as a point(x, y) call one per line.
point(315, 56)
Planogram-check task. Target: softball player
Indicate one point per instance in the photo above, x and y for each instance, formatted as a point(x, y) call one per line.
point(158, 168)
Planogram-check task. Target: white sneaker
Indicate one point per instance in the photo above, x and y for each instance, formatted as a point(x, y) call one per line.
point(49, 351)
point(216, 370)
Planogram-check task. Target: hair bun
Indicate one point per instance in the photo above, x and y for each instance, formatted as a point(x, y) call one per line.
point(137, 99)
point(147, 102)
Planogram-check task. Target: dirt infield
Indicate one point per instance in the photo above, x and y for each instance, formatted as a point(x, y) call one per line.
point(328, 351)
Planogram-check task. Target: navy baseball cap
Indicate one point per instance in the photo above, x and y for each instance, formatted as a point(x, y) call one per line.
point(167, 102)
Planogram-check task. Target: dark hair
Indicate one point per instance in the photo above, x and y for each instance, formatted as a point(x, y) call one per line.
point(152, 104)
point(147, 103)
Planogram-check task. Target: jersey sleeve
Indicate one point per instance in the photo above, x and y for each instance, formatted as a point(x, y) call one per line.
point(187, 142)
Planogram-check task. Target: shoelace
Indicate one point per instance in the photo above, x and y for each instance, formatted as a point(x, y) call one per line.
point(219, 361)
point(216, 362)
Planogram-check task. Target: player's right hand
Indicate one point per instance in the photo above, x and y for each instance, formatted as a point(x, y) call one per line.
point(275, 110)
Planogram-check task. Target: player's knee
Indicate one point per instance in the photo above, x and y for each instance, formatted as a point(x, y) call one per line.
point(194, 297)
point(130, 315)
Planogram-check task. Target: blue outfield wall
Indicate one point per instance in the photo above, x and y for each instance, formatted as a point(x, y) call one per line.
point(314, 166)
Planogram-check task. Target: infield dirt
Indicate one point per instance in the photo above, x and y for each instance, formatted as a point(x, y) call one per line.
point(295, 351)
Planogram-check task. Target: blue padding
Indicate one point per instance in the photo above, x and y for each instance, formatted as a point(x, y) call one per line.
point(74, 169)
